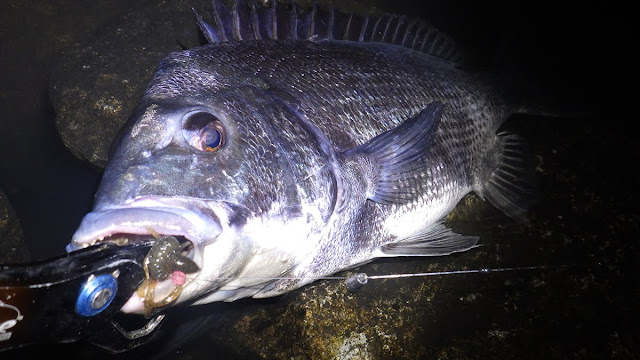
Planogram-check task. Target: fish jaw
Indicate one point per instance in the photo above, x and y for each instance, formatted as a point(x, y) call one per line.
point(200, 222)
point(99, 225)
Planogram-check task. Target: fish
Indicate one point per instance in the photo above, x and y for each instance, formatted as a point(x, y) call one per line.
point(298, 143)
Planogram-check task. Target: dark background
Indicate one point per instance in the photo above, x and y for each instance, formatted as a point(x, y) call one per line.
point(577, 54)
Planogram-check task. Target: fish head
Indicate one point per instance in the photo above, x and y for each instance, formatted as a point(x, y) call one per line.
point(227, 168)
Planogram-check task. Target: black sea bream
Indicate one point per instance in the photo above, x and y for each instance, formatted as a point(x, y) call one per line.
point(301, 143)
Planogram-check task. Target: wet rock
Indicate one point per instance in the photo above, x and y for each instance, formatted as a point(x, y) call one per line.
point(12, 248)
point(97, 82)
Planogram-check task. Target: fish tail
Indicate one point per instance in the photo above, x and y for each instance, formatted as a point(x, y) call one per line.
point(506, 176)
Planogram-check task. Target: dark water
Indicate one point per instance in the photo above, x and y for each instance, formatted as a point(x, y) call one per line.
point(581, 52)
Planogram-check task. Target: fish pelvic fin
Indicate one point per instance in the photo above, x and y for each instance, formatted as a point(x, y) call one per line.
point(397, 157)
point(506, 177)
point(436, 240)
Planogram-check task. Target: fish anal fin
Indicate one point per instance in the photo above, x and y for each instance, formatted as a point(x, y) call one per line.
point(436, 240)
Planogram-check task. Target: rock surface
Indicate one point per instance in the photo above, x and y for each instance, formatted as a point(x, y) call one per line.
point(97, 82)
point(12, 248)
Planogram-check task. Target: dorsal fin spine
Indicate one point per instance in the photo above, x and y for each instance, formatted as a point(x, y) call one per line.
point(312, 21)
point(386, 28)
point(345, 35)
point(426, 39)
point(218, 21)
point(436, 45)
point(375, 28)
point(330, 23)
point(395, 32)
point(415, 38)
point(252, 21)
point(206, 30)
point(432, 45)
point(236, 22)
point(293, 23)
point(274, 21)
point(255, 22)
point(365, 23)
point(450, 51)
point(407, 32)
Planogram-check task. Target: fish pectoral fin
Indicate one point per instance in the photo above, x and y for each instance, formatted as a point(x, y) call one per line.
point(507, 177)
point(436, 240)
point(398, 157)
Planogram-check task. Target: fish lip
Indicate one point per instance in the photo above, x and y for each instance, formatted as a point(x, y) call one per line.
point(194, 219)
point(190, 218)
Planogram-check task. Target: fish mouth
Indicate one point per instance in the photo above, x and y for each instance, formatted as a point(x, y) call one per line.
point(190, 224)
point(192, 219)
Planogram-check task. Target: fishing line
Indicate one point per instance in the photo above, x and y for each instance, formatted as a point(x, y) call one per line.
point(354, 282)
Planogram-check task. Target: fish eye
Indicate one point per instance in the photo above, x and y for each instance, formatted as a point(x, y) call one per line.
point(203, 131)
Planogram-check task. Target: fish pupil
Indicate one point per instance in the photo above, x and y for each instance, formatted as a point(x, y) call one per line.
point(211, 138)
point(203, 131)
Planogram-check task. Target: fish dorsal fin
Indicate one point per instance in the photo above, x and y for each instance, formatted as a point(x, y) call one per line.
point(250, 21)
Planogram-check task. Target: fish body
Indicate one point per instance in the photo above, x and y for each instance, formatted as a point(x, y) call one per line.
point(284, 160)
